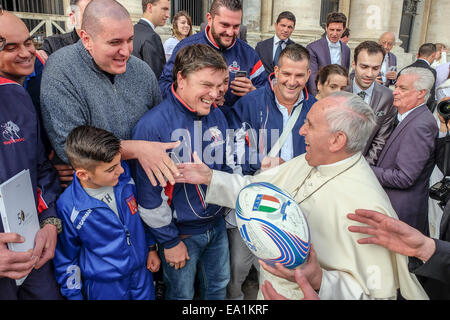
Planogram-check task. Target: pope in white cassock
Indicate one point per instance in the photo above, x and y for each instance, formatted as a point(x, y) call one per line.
point(331, 180)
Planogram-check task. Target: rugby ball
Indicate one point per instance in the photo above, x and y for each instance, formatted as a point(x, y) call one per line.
point(272, 225)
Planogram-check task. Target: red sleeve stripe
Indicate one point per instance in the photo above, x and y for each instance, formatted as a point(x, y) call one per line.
point(42, 205)
point(257, 70)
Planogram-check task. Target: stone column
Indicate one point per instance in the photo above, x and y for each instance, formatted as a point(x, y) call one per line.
point(251, 17)
point(307, 14)
point(369, 19)
point(437, 22)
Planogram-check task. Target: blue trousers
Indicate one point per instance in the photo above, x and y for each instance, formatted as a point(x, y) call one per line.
point(209, 262)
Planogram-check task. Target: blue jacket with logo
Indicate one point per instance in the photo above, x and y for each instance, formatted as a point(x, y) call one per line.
point(254, 118)
point(95, 244)
point(180, 209)
point(239, 56)
point(21, 147)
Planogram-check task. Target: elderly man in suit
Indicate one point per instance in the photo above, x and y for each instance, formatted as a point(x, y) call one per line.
point(147, 44)
point(269, 50)
point(389, 66)
point(425, 58)
point(366, 63)
point(329, 49)
point(407, 159)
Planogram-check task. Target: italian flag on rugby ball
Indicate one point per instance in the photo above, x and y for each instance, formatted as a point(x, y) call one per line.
point(266, 203)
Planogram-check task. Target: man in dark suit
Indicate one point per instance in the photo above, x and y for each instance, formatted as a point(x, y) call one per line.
point(367, 61)
point(329, 49)
point(57, 41)
point(389, 66)
point(405, 164)
point(269, 50)
point(147, 44)
point(425, 58)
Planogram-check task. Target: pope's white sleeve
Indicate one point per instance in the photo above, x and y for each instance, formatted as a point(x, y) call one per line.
point(338, 285)
point(224, 188)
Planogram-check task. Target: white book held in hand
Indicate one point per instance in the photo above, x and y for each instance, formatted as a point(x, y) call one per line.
point(18, 211)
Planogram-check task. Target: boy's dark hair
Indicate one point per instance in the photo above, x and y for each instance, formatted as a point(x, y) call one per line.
point(336, 17)
point(286, 15)
point(146, 2)
point(233, 5)
point(372, 48)
point(196, 57)
point(87, 145)
point(295, 52)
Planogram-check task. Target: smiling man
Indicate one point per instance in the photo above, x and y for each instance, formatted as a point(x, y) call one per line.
point(98, 82)
point(191, 234)
point(329, 49)
point(262, 116)
point(224, 20)
point(269, 50)
point(367, 61)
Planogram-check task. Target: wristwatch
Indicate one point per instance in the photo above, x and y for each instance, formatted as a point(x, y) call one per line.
point(53, 221)
point(153, 247)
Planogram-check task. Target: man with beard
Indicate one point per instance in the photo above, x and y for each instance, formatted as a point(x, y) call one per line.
point(224, 20)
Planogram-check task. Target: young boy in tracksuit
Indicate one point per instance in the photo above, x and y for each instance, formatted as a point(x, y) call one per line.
point(104, 250)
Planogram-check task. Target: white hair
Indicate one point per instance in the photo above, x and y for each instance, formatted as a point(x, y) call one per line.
point(424, 81)
point(354, 117)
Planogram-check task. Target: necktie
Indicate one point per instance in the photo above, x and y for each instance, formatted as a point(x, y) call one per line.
point(277, 53)
point(362, 94)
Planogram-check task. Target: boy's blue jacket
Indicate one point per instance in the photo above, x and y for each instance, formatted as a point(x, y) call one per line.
point(95, 244)
point(174, 120)
point(258, 111)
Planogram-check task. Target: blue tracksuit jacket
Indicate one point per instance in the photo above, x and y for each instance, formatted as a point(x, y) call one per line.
point(95, 243)
point(173, 120)
point(239, 56)
point(259, 111)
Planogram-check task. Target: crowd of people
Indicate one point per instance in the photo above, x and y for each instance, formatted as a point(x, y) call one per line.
point(137, 151)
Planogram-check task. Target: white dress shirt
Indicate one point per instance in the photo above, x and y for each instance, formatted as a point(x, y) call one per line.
point(149, 22)
point(335, 51)
point(276, 41)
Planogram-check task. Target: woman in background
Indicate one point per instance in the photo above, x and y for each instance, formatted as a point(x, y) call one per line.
point(181, 28)
point(331, 78)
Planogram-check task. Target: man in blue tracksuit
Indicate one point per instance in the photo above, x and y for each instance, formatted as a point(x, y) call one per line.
point(221, 33)
point(104, 249)
point(191, 232)
point(21, 148)
point(259, 119)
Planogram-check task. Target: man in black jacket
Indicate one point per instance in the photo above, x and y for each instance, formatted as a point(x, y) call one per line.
point(147, 44)
point(55, 42)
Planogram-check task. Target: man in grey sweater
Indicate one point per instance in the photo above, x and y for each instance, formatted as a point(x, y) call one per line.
point(97, 82)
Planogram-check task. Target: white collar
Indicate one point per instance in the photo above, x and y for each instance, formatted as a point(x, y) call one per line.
point(333, 45)
point(149, 22)
point(402, 117)
point(357, 89)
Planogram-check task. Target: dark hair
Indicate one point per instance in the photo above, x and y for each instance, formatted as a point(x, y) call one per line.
point(326, 71)
point(286, 15)
point(177, 16)
point(336, 17)
point(196, 57)
point(294, 52)
point(372, 47)
point(87, 145)
point(427, 49)
point(146, 2)
point(233, 5)
point(346, 33)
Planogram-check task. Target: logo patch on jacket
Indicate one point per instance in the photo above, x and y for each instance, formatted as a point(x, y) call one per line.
point(234, 67)
point(132, 204)
point(10, 133)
